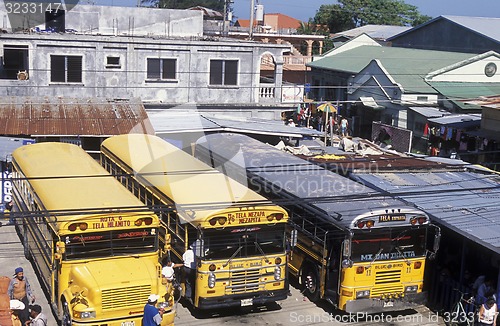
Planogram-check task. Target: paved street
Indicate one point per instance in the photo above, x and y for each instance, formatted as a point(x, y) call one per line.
point(296, 310)
point(11, 256)
point(299, 311)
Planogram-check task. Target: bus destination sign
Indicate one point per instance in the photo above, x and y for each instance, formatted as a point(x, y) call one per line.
point(246, 217)
point(391, 218)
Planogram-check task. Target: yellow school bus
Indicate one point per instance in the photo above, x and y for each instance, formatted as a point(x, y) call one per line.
point(95, 246)
point(356, 248)
point(238, 236)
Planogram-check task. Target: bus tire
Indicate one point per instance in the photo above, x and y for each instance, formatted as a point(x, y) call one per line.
point(66, 317)
point(310, 282)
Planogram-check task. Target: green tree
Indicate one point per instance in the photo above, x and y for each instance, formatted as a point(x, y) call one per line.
point(334, 17)
point(184, 4)
point(354, 13)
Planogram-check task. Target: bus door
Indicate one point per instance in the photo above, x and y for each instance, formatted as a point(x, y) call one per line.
point(58, 256)
point(332, 274)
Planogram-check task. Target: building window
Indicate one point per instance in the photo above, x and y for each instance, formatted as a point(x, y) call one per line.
point(223, 72)
point(162, 68)
point(113, 62)
point(15, 62)
point(66, 68)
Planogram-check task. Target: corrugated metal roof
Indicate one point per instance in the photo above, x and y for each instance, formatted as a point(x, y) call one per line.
point(464, 201)
point(9, 144)
point(492, 102)
point(458, 120)
point(51, 116)
point(407, 66)
point(488, 26)
point(293, 178)
point(380, 32)
point(460, 91)
point(175, 121)
point(429, 112)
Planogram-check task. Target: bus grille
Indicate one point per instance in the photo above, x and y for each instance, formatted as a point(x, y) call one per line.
point(125, 297)
point(244, 281)
point(388, 277)
point(380, 290)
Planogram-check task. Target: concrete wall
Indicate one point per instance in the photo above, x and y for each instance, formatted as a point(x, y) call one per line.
point(472, 72)
point(491, 119)
point(112, 20)
point(129, 79)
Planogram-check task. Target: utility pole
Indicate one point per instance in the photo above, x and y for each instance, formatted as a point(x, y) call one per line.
point(252, 10)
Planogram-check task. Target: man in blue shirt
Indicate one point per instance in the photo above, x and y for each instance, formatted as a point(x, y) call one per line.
point(152, 316)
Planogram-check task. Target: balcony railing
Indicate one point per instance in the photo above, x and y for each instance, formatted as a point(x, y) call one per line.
point(267, 91)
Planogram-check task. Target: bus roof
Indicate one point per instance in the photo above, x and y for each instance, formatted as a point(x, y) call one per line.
point(198, 190)
point(65, 177)
point(338, 199)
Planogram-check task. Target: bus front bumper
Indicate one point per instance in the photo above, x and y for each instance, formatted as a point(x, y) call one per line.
point(378, 305)
point(242, 300)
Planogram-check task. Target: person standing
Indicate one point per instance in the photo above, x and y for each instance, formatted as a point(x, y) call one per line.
point(8, 212)
point(37, 317)
point(343, 126)
point(488, 313)
point(20, 289)
point(189, 272)
point(168, 274)
point(152, 315)
point(16, 307)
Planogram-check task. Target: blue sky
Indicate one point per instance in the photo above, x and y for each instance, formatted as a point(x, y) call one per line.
point(305, 9)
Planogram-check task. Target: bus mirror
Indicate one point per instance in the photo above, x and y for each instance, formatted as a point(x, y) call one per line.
point(437, 240)
point(199, 248)
point(293, 238)
point(346, 248)
point(60, 247)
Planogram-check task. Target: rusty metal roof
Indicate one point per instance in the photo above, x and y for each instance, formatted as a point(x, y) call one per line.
point(59, 116)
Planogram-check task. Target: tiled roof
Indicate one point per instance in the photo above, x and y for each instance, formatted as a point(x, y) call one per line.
point(283, 21)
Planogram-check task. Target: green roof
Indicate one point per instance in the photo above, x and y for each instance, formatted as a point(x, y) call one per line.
point(457, 91)
point(407, 67)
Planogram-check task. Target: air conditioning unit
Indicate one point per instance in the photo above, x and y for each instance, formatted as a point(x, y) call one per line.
point(22, 75)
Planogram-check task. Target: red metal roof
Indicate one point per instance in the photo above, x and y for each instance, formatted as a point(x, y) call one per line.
point(37, 116)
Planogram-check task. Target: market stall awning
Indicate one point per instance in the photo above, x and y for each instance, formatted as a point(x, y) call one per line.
point(370, 102)
point(458, 121)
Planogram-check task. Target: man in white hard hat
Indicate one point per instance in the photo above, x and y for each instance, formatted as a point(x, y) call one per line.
point(152, 316)
point(16, 307)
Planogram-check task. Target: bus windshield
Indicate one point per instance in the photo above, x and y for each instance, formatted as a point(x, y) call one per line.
point(244, 242)
point(110, 243)
point(386, 244)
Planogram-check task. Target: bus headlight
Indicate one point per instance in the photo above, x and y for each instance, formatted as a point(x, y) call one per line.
point(211, 280)
point(411, 288)
point(85, 314)
point(362, 294)
point(277, 273)
point(346, 263)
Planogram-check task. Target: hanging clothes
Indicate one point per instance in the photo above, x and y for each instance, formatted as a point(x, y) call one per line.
point(449, 134)
point(426, 129)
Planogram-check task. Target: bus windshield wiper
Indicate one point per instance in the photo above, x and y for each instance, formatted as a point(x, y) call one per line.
point(234, 255)
point(398, 248)
point(261, 251)
point(377, 255)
